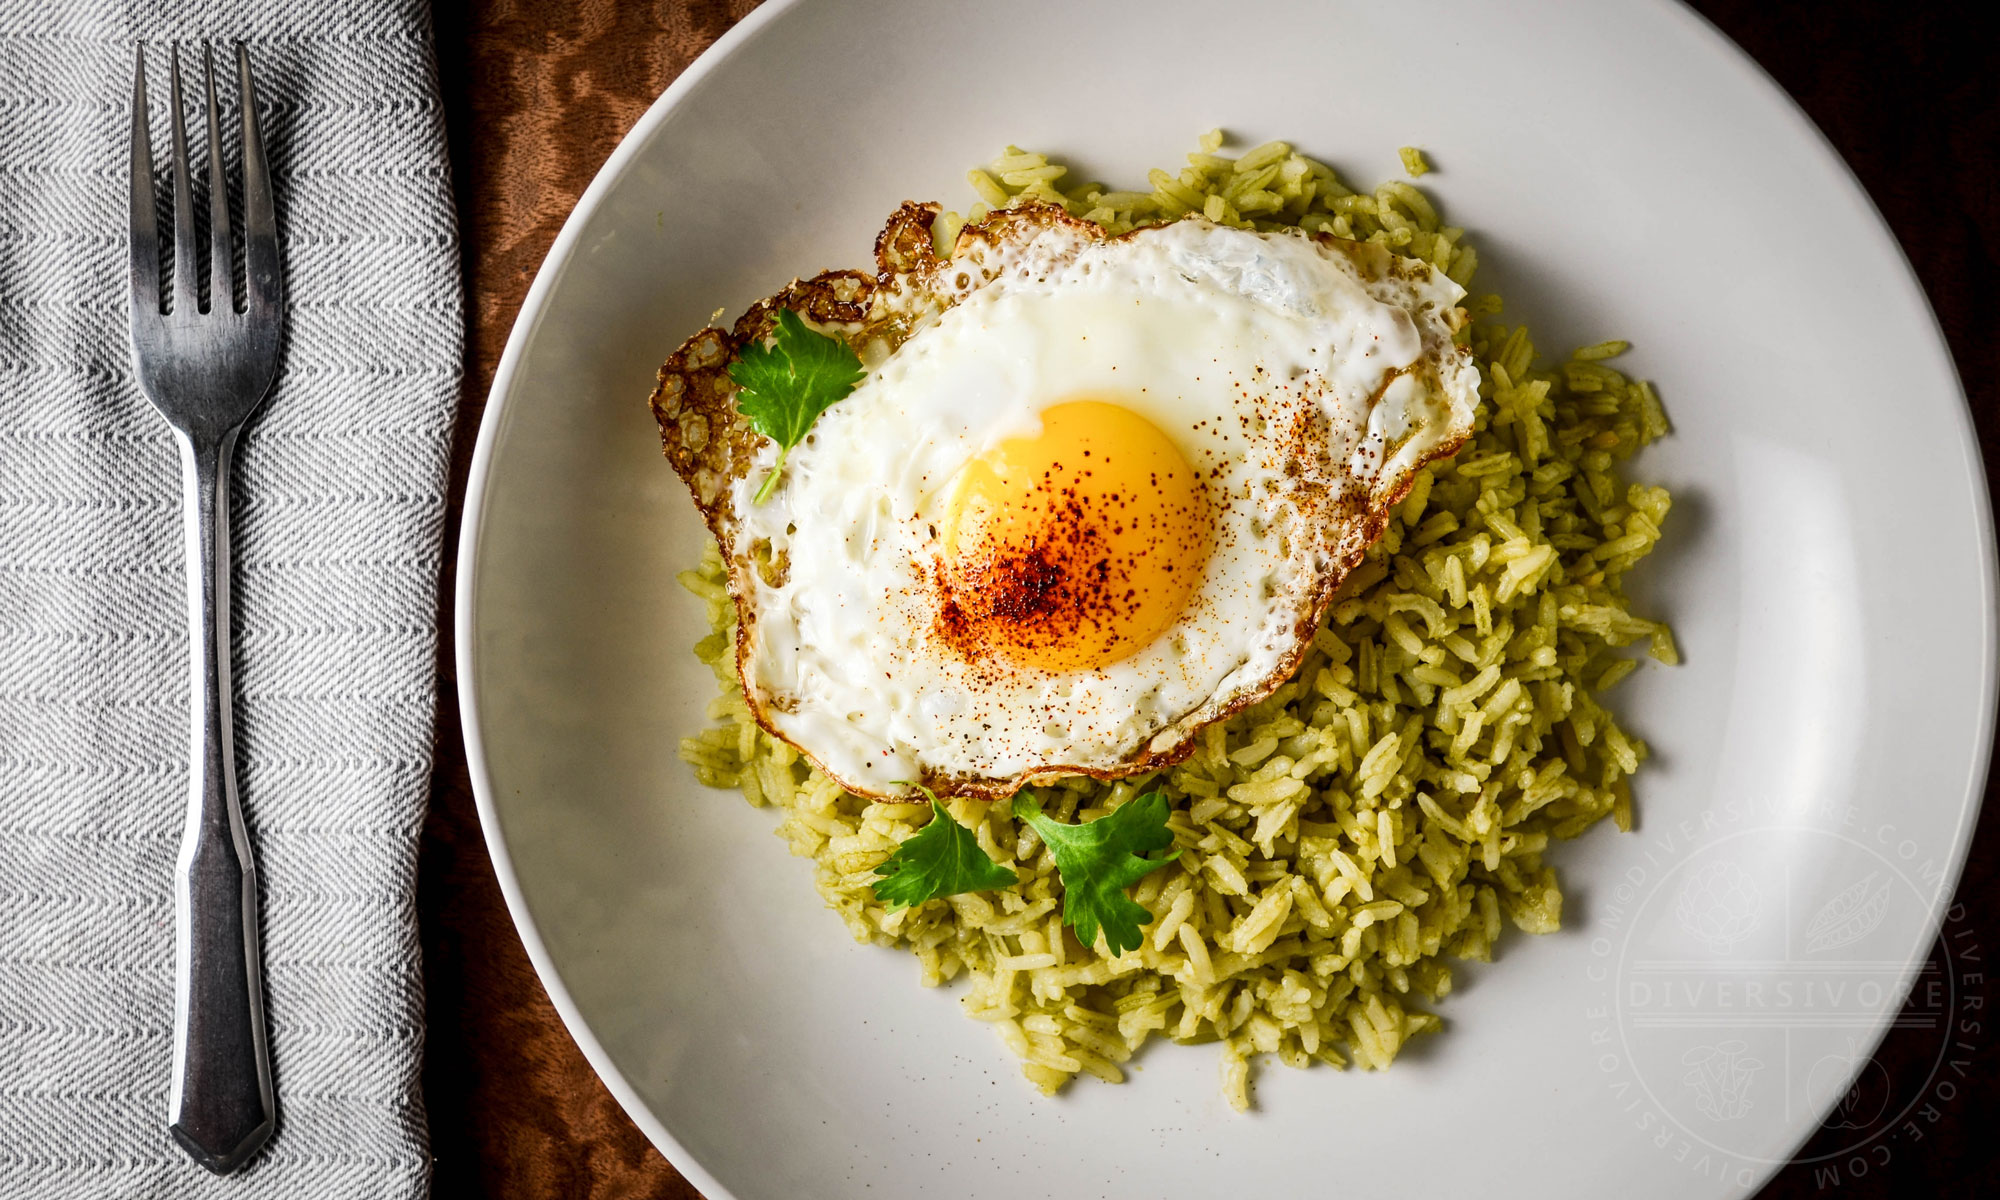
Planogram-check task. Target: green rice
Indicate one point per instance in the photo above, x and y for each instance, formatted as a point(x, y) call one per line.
point(1383, 812)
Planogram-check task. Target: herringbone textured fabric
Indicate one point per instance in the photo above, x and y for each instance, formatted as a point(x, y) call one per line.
point(338, 506)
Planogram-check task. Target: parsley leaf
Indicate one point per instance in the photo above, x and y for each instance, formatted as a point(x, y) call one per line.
point(790, 382)
point(1099, 859)
point(943, 859)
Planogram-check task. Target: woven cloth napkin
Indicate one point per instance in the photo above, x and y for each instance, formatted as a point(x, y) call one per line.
point(338, 508)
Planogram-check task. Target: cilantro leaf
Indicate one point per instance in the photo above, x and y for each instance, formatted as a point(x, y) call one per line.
point(1099, 859)
point(788, 383)
point(943, 859)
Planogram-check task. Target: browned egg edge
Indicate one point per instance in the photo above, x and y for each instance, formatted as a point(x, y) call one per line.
point(709, 444)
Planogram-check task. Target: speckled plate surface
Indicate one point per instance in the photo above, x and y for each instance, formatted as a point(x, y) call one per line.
point(1624, 172)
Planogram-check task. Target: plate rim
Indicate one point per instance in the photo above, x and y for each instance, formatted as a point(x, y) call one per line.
point(530, 315)
point(465, 601)
point(1974, 800)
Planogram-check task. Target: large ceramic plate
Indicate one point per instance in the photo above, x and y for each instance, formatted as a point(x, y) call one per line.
point(1625, 172)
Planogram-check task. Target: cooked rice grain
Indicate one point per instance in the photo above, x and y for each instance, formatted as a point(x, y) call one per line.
point(1383, 810)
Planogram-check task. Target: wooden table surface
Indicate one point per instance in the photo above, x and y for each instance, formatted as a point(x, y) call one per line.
point(538, 92)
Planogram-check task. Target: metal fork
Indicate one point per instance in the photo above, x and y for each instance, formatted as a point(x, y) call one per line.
point(207, 371)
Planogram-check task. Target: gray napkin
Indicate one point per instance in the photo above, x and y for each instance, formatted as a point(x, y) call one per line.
point(339, 499)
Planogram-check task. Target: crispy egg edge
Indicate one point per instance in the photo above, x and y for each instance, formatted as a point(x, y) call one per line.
point(709, 443)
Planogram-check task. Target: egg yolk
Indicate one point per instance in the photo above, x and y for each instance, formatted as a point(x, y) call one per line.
point(1074, 548)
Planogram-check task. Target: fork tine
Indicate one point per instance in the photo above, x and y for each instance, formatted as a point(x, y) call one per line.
point(187, 286)
point(261, 284)
point(221, 293)
point(145, 222)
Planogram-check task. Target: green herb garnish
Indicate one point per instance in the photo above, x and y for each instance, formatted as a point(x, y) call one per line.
point(944, 858)
point(1099, 859)
point(789, 383)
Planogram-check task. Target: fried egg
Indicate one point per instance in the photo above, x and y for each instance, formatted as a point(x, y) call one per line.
point(1093, 493)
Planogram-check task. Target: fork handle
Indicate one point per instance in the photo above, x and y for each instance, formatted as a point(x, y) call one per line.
point(222, 1107)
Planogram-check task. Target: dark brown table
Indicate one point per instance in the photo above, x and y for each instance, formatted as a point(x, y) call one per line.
point(538, 92)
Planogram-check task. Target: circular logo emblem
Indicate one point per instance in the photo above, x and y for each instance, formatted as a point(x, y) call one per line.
point(1741, 980)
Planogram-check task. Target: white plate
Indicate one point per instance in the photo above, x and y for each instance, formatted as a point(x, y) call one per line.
point(1624, 172)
